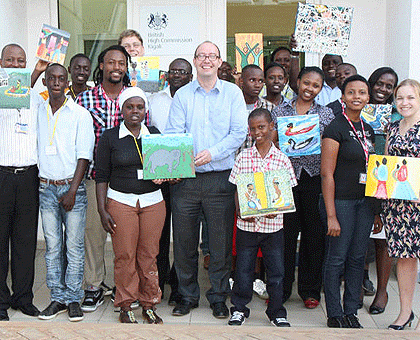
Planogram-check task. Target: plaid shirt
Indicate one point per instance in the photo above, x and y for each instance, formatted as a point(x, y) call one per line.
point(105, 112)
point(246, 162)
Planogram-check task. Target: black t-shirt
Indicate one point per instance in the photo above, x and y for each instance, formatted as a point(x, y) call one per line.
point(351, 161)
point(336, 107)
point(117, 162)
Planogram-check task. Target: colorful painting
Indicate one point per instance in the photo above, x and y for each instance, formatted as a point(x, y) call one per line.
point(377, 116)
point(52, 45)
point(249, 50)
point(265, 193)
point(323, 29)
point(163, 80)
point(145, 73)
point(299, 135)
point(393, 177)
point(168, 156)
point(15, 88)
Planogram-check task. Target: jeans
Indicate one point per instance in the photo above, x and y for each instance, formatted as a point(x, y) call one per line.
point(247, 244)
point(346, 253)
point(65, 251)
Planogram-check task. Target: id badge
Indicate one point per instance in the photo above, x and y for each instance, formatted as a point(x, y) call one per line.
point(139, 173)
point(50, 150)
point(21, 128)
point(362, 178)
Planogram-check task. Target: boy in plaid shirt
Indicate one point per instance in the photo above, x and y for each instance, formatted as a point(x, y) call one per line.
point(260, 232)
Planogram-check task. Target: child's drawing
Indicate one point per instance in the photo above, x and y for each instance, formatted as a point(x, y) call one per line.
point(15, 85)
point(144, 73)
point(249, 50)
point(377, 116)
point(52, 44)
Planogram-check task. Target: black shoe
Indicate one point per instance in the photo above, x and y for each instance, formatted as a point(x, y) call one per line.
point(93, 299)
point(368, 287)
point(340, 322)
point(75, 312)
point(376, 310)
point(220, 310)
point(360, 304)
point(3, 315)
point(237, 318)
point(184, 307)
point(107, 289)
point(353, 321)
point(114, 291)
point(280, 322)
point(52, 310)
point(28, 309)
point(174, 298)
point(401, 327)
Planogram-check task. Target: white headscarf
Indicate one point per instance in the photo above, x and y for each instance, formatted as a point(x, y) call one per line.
point(131, 92)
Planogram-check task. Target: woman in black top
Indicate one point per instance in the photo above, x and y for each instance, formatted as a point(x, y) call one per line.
point(132, 210)
point(346, 145)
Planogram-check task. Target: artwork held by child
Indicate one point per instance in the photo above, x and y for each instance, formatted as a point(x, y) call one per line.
point(323, 29)
point(249, 50)
point(377, 116)
point(265, 193)
point(299, 135)
point(15, 88)
point(144, 73)
point(52, 45)
point(393, 177)
point(168, 156)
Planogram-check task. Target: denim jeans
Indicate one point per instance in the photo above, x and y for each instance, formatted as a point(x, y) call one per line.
point(65, 251)
point(346, 253)
point(272, 247)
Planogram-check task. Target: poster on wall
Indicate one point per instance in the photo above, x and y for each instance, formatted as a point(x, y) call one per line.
point(393, 177)
point(52, 44)
point(323, 29)
point(169, 30)
point(249, 50)
point(15, 85)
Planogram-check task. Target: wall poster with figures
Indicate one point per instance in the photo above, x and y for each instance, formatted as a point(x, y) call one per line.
point(323, 29)
point(265, 193)
point(249, 50)
point(168, 156)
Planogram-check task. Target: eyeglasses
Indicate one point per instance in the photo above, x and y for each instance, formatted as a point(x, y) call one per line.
point(211, 56)
point(135, 45)
point(180, 72)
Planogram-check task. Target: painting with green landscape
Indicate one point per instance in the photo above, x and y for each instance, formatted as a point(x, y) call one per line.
point(168, 156)
point(15, 88)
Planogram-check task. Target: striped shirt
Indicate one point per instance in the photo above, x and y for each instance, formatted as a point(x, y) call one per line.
point(105, 112)
point(19, 149)
point(249, 159)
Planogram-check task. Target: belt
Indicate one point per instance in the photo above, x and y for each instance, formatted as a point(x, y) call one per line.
point(56, 181)
point(16, 169)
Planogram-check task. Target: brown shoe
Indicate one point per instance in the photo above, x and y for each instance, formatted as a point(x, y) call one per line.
point(151, 317)
point(206, 262)
point(127, 316)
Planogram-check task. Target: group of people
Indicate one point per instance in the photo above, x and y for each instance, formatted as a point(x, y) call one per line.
point(76, 155)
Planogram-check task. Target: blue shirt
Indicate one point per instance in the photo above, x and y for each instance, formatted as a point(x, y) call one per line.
point(217, 120)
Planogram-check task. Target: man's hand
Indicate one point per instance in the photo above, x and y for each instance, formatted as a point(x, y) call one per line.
point(334, 228)
point(203, 157)
point(67, 200)
point(107, 222)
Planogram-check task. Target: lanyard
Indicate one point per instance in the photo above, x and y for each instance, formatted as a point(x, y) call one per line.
point(365, 144)
point(138, 150)
point(254, 168)
point(56, 119)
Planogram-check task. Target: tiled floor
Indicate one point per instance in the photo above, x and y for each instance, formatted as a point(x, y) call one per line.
point(297, 314)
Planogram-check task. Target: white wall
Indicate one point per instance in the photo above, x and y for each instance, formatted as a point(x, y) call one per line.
point(13, 22)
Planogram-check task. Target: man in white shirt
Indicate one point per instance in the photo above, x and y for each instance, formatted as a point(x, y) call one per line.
point(330, 91)
point(65, 147)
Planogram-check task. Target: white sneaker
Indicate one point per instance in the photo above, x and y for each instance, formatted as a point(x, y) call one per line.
point(237, 319)
point(259, 288)
point(280, 322)
point(231, 283)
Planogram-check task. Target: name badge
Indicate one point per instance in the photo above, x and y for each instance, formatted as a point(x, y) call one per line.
point(50, 150)
point(362, 178)
point(21, 128)
point(139, 173)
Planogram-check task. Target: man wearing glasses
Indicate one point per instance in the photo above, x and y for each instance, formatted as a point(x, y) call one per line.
point(179, 74)
point(214, 111)
point(132, 42)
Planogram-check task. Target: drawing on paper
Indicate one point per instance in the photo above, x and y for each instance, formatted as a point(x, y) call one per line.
point(52, 44)
point(377, 116)
point(249, 50)
point(144, 73)
point(15, 88)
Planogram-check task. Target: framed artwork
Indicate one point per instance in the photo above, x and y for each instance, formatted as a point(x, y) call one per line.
point(168, 156)
point(15, 88)
point(249, 50)
point(393, 177)
point(323, 29)
point(377, 116)
point(265, 193)
point(299, 135)
point(52, 44)
point(144, 73)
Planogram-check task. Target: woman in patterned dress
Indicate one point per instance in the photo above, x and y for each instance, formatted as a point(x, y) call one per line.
point(402, 217)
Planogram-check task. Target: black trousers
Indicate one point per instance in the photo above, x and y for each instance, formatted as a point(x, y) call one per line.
point(19, 204)
point(212, 193)
point(305, 220)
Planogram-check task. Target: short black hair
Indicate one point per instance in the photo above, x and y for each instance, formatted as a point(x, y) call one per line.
point(11, 45)
point(261, 112)
point(274, 64)
point(356, 77)
point(54, 65)
point(309, 69)
point(374, 77)
point(281, 48)
point(332, 55)
point(250, 67)
point(98, 74)
point(184, 61)
point(348, 64)
point(79, 55)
